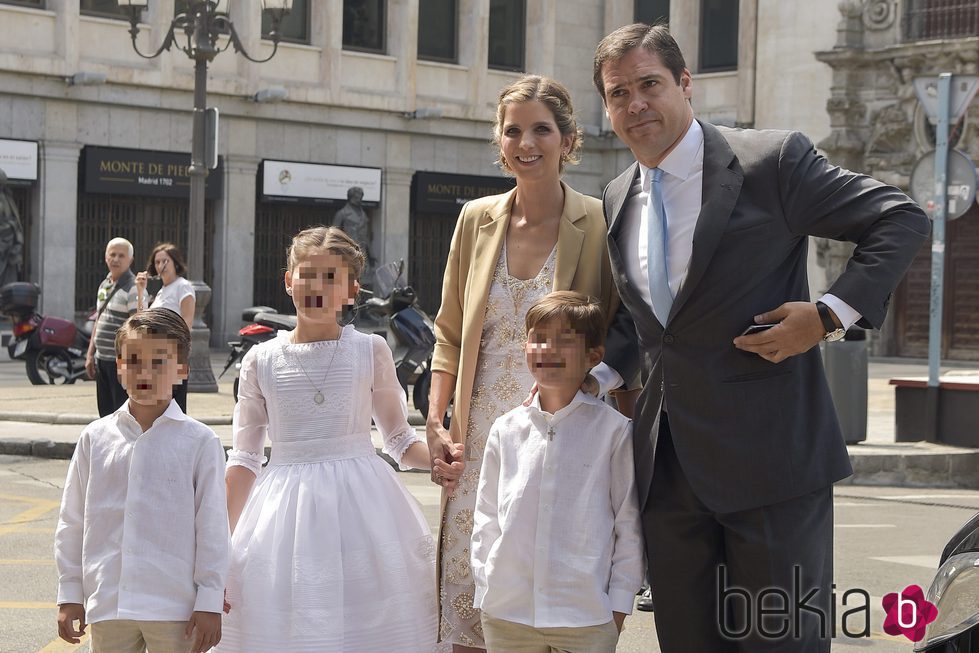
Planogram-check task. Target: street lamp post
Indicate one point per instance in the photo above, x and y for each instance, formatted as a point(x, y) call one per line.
point(202, 23)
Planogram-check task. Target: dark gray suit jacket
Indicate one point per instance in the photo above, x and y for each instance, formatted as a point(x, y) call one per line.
point(748, 432)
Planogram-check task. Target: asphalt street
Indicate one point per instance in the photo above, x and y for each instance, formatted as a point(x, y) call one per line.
point(886, 539)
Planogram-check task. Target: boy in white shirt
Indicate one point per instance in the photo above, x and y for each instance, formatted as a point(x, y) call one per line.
point(142, 540)
point(557, 551)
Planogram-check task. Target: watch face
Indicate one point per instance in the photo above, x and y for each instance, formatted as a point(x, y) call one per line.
point(834, 336)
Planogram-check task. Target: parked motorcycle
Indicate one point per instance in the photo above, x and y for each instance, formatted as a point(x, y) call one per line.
point(390, 309)
point(53, 349)
point(955, 592)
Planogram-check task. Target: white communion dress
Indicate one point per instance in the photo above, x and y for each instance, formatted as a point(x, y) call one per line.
point(331, 554)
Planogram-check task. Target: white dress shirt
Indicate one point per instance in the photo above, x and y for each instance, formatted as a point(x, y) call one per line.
point(683, 182)
point(556, 536)
point(143, 530)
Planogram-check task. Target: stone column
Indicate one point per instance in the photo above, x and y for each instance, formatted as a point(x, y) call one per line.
point(234, 248)
point(58, 226)
point(394, 220)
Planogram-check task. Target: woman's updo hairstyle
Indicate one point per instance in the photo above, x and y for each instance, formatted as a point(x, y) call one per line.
point(326, 239)
point(551, 93)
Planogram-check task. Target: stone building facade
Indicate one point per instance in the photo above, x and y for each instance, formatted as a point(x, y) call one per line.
point(878, 127)
point(416, 124)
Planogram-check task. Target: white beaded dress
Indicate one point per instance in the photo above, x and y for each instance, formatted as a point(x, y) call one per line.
point(331, 553)
point(501, 382)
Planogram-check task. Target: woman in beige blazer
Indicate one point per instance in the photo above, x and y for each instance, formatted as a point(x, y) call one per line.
point(507, 251)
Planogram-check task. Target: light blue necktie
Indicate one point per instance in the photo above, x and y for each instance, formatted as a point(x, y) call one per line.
point(656, 261)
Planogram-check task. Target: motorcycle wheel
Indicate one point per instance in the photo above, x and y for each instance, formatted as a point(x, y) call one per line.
point(419, 392)
point(37, 363)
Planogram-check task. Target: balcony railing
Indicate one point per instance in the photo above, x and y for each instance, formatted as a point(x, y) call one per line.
point(940, 19)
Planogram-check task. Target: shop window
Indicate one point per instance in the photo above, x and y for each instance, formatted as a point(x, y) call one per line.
point(364, 25)
point(940, 19)
point(437, 30)
point(507, 30)
point(718, 35)
point(294, 26)
point(37, 4)
point(104, 8)
point(652, 11)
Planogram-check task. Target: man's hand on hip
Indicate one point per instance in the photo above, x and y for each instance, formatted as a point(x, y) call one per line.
point(797, 330)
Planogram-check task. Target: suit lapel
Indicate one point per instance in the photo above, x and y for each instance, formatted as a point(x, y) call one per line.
point(618, 192)
point(486, 253)
point(569, 239)
point(721, 189)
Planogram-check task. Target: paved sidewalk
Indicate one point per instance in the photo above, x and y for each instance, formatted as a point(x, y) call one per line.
point(46, 420)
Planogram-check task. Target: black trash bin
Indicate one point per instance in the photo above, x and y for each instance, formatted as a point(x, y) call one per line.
point(846, 372)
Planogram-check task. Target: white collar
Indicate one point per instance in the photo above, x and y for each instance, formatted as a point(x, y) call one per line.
point(172, 412)
point(682, 161)
point(580, 397)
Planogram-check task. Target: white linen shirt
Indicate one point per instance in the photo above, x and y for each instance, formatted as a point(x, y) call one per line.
point(143, 530)
point(683, 181)
point(556, 537)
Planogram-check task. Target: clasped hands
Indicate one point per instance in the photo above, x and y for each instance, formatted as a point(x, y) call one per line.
point(797, 329)
point(445, 455)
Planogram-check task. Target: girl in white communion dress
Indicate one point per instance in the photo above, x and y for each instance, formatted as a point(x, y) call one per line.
point(329, 551)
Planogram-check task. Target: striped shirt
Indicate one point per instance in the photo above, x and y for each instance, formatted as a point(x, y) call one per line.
point(120, 307)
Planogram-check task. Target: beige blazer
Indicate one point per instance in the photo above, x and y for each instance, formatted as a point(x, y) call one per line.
point(582, 265)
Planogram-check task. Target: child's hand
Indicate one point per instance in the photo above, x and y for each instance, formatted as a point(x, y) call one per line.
point(227, 606)
point(448, 472)
point(208, 627)
point(68, 614)
point(619, 619)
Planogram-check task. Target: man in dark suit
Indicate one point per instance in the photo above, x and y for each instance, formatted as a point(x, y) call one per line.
point(737, 443)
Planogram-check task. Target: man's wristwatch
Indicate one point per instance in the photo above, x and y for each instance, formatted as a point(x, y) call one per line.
point(833, 332)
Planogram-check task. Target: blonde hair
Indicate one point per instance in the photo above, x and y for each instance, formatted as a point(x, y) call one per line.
point(555, 97)
point(329, 239)
point(582, 313)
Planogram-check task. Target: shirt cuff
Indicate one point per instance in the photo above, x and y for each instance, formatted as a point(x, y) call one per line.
point(608, 379)
point(621, 600)
point(71, 592)
point(209, 600)
point(844, 312)
point(250, 461)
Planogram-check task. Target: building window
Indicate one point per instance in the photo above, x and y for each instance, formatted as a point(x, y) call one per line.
point(939, 19)
point(652, 11)
point(104, 8)
point(294, 27)
point(507, 26)
point(718, 35)
point(37, 4)
point(437, 29)
point(364, 24)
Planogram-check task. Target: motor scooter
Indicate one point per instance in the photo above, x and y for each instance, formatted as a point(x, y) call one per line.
point(955, 592)
point(53, 349)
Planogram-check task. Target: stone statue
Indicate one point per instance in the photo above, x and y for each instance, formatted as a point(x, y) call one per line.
point(11, 236)
point(356, 223)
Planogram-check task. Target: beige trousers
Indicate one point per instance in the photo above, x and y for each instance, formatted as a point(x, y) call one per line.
point(127, 636)
point(509, 637)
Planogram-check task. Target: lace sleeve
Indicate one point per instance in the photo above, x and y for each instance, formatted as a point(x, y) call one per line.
point(389, 406)
point(251, 420)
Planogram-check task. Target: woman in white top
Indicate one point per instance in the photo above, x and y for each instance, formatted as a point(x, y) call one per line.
point(167, 263)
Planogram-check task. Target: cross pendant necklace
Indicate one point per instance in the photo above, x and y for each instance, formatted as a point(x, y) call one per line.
point(318, 398)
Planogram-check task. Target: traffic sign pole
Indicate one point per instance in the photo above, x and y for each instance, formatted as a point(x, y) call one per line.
point(938, 252)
